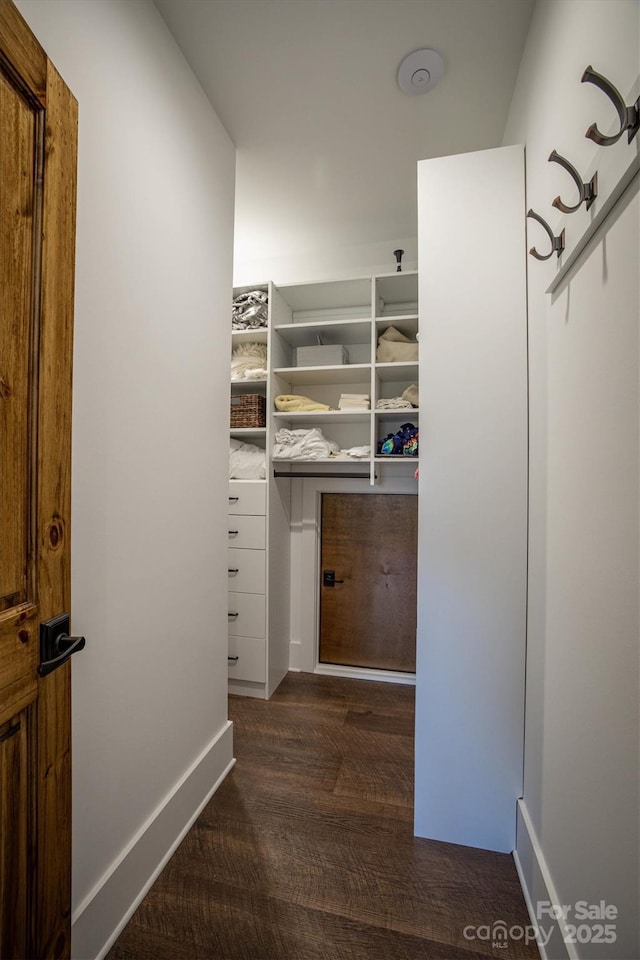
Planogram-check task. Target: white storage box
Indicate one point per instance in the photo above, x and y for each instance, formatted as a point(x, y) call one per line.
point(325, 355)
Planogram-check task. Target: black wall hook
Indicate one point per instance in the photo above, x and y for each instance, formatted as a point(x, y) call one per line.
point(398, 254)
point(587, 191)
point(557, 243)
point(629, 116)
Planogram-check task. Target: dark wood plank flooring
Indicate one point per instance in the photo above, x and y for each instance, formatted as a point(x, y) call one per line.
point(306, 852)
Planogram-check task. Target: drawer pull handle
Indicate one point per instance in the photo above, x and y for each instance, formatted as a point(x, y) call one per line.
point(233, 499)
point(233, 533)
point(233, 616)
point(234, 569)
point(233, 658)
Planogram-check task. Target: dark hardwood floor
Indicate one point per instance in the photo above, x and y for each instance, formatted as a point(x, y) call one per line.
point(306, 852)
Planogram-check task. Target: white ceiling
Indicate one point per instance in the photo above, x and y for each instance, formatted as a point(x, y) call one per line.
point(326, 141)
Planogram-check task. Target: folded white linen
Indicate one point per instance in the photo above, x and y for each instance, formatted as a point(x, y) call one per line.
point(393, 403)
point(354, 453)
point(249, 361)
point(412, 394)
point(354, 401)
point(246, 461)
point(302, 445)
point(394, 347)
point(249, 373)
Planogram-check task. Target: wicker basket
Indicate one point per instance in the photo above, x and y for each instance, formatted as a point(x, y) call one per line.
point(248, 410)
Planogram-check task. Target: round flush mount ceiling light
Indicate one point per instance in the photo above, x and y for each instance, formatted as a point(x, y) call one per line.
point(420, 71)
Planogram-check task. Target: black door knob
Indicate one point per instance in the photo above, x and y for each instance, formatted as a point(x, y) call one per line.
point(56, 646)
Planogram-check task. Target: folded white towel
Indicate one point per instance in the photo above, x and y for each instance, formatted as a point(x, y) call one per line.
point(294, 402)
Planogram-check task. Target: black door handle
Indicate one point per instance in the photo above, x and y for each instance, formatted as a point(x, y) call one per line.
point(56, 646)
point(329, 578)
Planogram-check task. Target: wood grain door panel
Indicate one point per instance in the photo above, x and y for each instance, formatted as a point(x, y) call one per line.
point(38, 145)
point(18, 659)
point(370, 542)
point(15, 775)
point(17, 127)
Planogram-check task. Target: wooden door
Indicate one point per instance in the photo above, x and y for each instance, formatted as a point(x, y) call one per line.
point(368, 617)
point(38, 133)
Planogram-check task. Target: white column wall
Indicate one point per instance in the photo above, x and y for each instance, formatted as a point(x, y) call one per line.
point(578, 823)
point(150, 429)
point(473, 498)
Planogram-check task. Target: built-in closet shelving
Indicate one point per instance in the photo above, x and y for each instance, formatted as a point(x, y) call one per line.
point(349, 313)
point(257, 435)
point(258, 551)
point(353, 314)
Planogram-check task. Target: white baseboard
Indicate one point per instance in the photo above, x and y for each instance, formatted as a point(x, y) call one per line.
point(537, 886)
point(103, 914)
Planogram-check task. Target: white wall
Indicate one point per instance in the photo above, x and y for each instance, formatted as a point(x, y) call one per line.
point(331, 263)
point(578, 826)
point(154, 242)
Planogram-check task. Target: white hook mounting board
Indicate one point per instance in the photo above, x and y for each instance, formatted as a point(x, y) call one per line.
point(617, 166)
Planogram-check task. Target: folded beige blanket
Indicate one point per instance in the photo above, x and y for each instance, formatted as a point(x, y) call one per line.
point(292, 402)
point(394, 347)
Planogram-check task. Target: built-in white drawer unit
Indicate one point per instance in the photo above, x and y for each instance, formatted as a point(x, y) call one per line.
point(247, 615)
point(247, 570)
point(247, 532)
point(248, 497)
point(247, 659)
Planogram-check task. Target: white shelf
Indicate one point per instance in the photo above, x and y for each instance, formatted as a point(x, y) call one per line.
point(329, 295)
point(397, 371)
point(399, 292)
point(334, 460)
point(351, 416)
point(397, 414)
point(407, 324)
point(259, 335)
point(397, 459)
point(304, 334)
point(248, 431)
point(345, 373)
point(248, 386)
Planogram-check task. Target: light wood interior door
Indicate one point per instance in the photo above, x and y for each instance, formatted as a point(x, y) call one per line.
point(38, 129)
point(368, 615)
